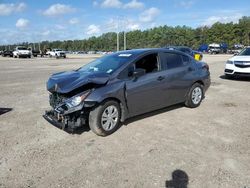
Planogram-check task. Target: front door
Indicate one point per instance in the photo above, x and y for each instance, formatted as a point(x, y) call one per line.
point(145, 93)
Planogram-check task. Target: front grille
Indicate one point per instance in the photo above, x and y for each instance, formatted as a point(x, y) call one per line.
point(242, 64)
point(55, 99)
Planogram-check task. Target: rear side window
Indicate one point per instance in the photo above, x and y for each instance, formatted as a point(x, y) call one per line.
point(172, 60)
point(185, 50)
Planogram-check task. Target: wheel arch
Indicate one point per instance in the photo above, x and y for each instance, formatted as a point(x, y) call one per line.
point(202, 84)
point(122, 106)
point(199, 82)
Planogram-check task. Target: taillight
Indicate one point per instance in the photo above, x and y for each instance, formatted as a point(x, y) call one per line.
point(205, 66)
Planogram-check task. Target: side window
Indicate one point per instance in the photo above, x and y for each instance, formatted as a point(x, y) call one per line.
point(149, 63)
point(172, 60)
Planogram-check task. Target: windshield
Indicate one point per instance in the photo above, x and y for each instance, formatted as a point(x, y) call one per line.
point(107, 64)
point(246, 51)
point(22, 48)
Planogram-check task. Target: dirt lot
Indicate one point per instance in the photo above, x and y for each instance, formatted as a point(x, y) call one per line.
point(204, 147)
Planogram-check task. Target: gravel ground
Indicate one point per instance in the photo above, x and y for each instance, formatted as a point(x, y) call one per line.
point(204, 147)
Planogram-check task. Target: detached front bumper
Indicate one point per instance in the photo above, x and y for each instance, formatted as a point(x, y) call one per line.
point(68, 122)
point(51, 118)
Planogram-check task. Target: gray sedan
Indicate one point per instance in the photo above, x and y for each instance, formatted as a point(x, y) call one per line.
point(113, 88)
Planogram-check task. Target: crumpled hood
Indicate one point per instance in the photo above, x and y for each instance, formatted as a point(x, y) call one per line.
point(65, 82)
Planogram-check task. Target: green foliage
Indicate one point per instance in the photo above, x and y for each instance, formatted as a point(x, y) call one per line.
point(230, 33)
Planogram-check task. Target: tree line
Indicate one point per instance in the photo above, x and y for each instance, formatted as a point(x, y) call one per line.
point(229, 33)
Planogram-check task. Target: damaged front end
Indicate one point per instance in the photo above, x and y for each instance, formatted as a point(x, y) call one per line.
point(68, 113)
point(68, 92)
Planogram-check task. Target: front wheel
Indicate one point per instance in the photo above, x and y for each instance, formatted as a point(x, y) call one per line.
point(105, 118)
point(195, 96)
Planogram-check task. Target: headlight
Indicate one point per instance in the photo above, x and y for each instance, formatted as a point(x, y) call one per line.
point(78, 99)
point(230, 62)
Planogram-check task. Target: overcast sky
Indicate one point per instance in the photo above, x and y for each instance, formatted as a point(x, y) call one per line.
point(34, 21)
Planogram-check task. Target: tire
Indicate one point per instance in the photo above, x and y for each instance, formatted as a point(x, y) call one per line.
point(98, 116)
point(195, 96)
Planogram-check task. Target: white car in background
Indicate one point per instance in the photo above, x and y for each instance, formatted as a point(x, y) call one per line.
point(56, 53)
point(21, 51)
point(238, 65)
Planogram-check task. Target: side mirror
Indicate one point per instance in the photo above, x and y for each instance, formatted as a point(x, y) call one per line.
point(139, 72)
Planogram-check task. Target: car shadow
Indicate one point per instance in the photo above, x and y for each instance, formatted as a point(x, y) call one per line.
point(86, 127)
point(5, 110)
point(80, 130)
point(179, 180)
point(153, 113)
point(237, 78)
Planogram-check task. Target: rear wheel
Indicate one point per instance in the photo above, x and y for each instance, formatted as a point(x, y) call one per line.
point(195, 96)
point(105, 118)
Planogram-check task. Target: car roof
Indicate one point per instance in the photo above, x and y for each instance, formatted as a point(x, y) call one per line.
point(178, 47)
point(146, 50)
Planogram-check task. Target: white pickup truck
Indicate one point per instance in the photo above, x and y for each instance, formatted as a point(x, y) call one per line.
point(56, 53)
point(21, 51)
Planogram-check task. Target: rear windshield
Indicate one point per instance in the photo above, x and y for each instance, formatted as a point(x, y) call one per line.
point(246, 51)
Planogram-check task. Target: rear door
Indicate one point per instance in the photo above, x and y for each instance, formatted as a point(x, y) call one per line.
point(179, 76)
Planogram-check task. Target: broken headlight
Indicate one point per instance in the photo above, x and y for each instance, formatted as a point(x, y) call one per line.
point(77, 99)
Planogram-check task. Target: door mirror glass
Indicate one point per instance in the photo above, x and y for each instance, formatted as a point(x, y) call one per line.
point(139, 72)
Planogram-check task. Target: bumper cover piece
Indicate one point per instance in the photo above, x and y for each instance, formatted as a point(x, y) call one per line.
point(58, 121)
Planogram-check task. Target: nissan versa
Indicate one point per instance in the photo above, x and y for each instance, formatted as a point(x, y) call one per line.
point(115, 87)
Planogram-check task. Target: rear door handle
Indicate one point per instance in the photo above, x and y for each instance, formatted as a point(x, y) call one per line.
point(160, 78)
